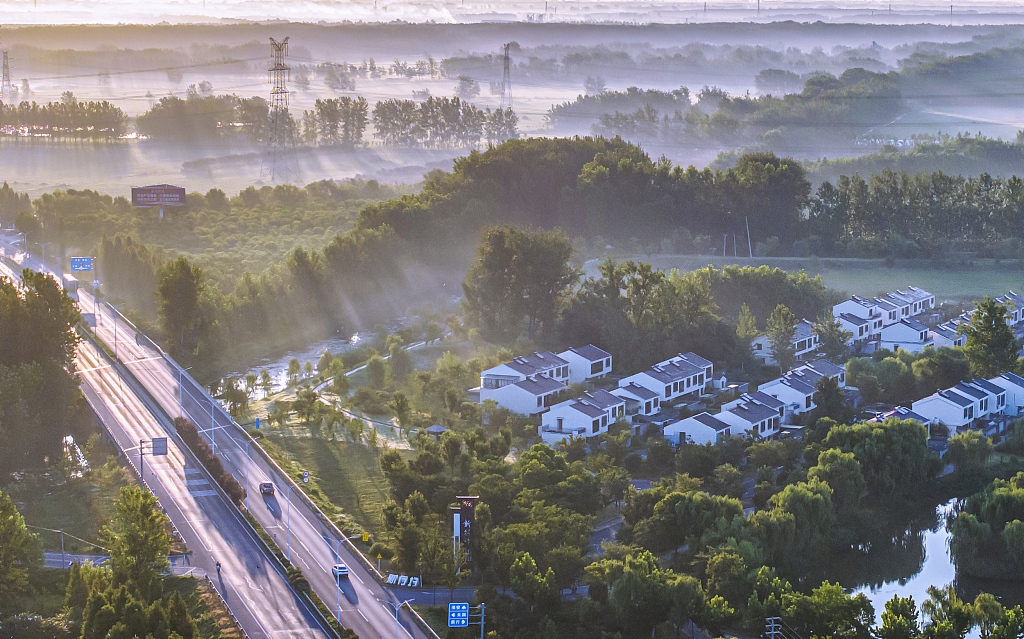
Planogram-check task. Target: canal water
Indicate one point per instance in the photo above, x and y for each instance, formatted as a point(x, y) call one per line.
point(910, 557)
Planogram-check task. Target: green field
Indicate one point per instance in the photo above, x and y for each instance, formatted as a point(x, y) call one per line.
point(348, 474)
point(868, 277)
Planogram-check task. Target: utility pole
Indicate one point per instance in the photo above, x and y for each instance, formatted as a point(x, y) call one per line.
point(279, 156)
point(506, 83)
point(750, 251)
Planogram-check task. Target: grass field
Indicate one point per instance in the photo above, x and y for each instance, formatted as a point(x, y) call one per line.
point(867, 277)
point(348, 475)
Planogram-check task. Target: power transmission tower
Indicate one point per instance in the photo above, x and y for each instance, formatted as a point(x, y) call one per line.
point(8, 93)
point(279, 162)
point(506, 84)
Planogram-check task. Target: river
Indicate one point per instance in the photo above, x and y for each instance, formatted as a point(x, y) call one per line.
point(907, 561)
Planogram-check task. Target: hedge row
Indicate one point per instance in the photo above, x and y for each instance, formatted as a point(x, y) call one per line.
point(190, 435)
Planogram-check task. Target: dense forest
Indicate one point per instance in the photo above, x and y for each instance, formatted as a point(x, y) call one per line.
point(64, 120)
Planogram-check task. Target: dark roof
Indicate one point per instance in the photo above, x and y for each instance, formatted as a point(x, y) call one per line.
point(603, 398)
point(639, 391)
point(754, 413)
point(545, 359)
point(1013, 378)
point(799, 385)
point(767, 400)
point(956, 398)
point(825, 367)
point(914, 324)
point(540, 385)
point(948, 333)
point(694, 359)
point(590, 352)
point(964, 389)
point(853, 319)
point(437, 429)
point(710, 420)
point(804, 329)
point(587, 408)
point(989, 386)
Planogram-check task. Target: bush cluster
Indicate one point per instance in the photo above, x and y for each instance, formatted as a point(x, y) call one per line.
point(190, 434)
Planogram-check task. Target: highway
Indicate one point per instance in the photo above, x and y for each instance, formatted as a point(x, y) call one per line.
point(313, 544)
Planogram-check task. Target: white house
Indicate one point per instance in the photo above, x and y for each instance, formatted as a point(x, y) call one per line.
point(919, 299)
point(587, 363)
point(532, 396)
point(908, 334)
point(702, 428)
point(681, 375)
point(811, 372)
point(979, 398)
point(1015, 308)
point(804, 343)
point(639, 400)
point(795, 393)
point(757, 397)
point(1013, 384)
point(613, 405)
point(946, 335)
point(545, 364)
point(860, 328)
point(860, 311)
point(573, 418)
point(763, 421)
point(890, 311)
point(995, 395)
point(900, 413)
point(946, 407)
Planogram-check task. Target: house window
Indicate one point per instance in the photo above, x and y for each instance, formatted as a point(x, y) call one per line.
point(757, 346)
point(595, 426)
point(647, 407)
point(675, 387)
point(596, 368)
point(808, 402)
point(668, 391)
point(560, 424)
point(604, 420)
point(540, 402)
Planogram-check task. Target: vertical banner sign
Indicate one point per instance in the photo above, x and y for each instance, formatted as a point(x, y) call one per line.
point(466, 516)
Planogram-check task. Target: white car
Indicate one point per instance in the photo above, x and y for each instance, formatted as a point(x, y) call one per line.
point(339, 571)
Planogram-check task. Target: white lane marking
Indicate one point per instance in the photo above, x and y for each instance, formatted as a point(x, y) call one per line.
point(356, 576)
point(362, 615)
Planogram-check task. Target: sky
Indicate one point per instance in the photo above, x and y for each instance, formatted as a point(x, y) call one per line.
point(21, 12)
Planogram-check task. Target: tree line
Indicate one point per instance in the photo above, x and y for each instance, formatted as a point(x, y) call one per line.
point(434, 123)
point(441, 123)
point(39, 396)
point(68, 119)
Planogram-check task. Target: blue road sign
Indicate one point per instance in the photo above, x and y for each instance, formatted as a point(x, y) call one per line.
point(159, 446)
point(458, 614)
point(305, 477)
point(257, 423)
point(81, 264)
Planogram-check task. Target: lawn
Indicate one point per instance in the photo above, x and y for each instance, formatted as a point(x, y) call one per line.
point(348, 474)
point(868, 277)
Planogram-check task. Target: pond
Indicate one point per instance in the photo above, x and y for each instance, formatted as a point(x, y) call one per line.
point(910, 556)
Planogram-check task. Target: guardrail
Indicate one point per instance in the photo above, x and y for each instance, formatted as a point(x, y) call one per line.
point(326, 624)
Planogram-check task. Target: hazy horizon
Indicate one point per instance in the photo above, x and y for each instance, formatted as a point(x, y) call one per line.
point(109, 12)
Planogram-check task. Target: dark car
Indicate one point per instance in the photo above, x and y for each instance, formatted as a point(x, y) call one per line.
point(267, 488)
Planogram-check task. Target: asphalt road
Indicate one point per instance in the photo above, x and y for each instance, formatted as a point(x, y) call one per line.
point(257, 595)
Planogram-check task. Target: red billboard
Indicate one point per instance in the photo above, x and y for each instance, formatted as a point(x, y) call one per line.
point(158, 195)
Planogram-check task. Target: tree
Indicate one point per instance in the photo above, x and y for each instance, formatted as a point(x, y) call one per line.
point(780, 330)
point(180, 286)
point(136, 538)
point(594, 86)
point(641, 597)
point(18, 553)
point(467, 88)
point(452, 568)
point(968, 450)
point(376, 372)
point(833, 339)
point(899, 621)
point(830, 402)
point(989, 344)
point(294, 370)
point(518, 276)
point(746, 326)
point(842, 473)
point(948, 615)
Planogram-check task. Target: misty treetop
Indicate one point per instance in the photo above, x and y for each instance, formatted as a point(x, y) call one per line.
point(67, 119)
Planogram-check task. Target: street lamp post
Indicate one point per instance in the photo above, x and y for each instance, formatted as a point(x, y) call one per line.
point(114, 306)
point(247, 464)
point(181, 408)
point(390, 603)
point(288, 498)
point(42, 249)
